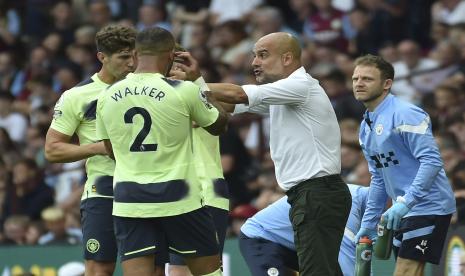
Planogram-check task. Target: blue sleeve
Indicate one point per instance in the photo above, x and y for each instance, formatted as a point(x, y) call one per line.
point(415, 131)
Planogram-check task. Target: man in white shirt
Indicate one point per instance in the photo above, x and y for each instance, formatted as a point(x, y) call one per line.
point(305, 145)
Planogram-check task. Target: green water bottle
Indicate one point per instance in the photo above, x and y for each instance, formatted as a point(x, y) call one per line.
point(363, 257)
point(383, 244)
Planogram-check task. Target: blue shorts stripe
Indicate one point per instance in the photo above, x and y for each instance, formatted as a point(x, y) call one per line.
point(418, 232)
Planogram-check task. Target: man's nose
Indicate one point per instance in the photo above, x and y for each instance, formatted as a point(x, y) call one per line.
point(255, 61)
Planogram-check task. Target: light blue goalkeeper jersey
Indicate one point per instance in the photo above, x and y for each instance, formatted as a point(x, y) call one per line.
point(404, 160)
point(273, 224)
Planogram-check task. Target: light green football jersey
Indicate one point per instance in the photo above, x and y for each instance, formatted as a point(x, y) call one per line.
point(209, 169)
point(147, 118)
point(75, 113)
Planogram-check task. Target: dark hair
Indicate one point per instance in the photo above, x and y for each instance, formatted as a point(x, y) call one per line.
point(386, 69)
point(115, 38)
point(154, 41)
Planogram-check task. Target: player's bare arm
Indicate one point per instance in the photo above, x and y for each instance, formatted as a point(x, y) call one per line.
point(59, 149)
point(228, 93)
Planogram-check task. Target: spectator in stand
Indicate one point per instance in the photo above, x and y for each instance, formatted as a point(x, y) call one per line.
point(34, 231)
point(358, 31)
point(58, 234)
point(225, 10)
point(231, 44)
point(10, 26)
point(14, 123)
point(29, 195)
point(411, 63)
point(450, 12)
point(63, 21)
point(267, 20)
point(342, 99)
point(324, 26)
point(99, 13)
point(448, 101)
point(351, 156)
point(151, 15)
point(447, 56)
point(15, 228)
point(9, 73)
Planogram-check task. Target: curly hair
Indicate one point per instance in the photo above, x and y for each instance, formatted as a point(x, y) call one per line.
point(115, 38)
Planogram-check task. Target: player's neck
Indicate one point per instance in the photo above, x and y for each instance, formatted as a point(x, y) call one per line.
point(107, 78)
point(148, 68)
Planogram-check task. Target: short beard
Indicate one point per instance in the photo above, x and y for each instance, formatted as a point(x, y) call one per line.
point(268, 79)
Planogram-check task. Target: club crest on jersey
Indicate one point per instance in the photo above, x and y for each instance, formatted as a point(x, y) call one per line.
point(379, 129)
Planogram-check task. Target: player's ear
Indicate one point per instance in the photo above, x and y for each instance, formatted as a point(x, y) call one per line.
point(387, 84)
point(101, 56)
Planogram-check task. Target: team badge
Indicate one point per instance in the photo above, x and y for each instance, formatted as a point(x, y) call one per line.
point(92, 245)
point(273, 271)
point(379, 129)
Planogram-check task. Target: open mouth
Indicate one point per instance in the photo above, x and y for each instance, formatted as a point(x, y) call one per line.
point(257, 72)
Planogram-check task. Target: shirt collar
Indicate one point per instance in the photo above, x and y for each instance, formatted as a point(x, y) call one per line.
point(389, 97)
point(300, 71)
point(96, 79)
point(369, 116)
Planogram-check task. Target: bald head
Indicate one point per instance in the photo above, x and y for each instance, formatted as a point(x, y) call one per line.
point(283, 43)
point(277, 55)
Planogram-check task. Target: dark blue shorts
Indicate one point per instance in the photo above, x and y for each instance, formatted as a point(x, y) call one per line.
point(264, 257)
point(220, 219)
point(97, 229)
point(190, 234)
point(421, 238)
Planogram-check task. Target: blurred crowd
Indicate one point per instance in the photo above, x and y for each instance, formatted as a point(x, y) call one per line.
point(47, 47)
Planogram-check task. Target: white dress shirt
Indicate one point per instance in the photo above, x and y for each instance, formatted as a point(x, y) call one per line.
point(305, 139)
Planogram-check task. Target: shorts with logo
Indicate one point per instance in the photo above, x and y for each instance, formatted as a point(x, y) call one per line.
point(97, 229)
point(421, 238)
point(264, 257)
point(220, 219)
point(190, 234)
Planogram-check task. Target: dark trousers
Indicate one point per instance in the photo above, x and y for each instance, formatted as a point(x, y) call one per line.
point(319, 211)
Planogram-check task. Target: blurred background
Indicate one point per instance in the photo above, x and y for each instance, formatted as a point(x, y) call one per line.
point(47, 47)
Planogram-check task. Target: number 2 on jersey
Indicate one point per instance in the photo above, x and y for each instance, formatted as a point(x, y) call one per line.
point(138, 145)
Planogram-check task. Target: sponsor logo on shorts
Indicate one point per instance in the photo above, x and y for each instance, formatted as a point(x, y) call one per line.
point(422, 246)
point(92, 245)
point(273, 271)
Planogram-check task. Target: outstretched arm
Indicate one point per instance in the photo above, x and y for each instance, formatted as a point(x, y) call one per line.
point(58, 148)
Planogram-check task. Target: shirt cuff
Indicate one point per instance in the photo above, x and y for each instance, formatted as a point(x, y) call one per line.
point(240, 108)
point(410, 200)
point(201, 82)
point(252, 94)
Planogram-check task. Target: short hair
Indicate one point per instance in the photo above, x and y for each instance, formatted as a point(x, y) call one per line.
point(386, 68)
point(115, 38)
point(154, 41)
